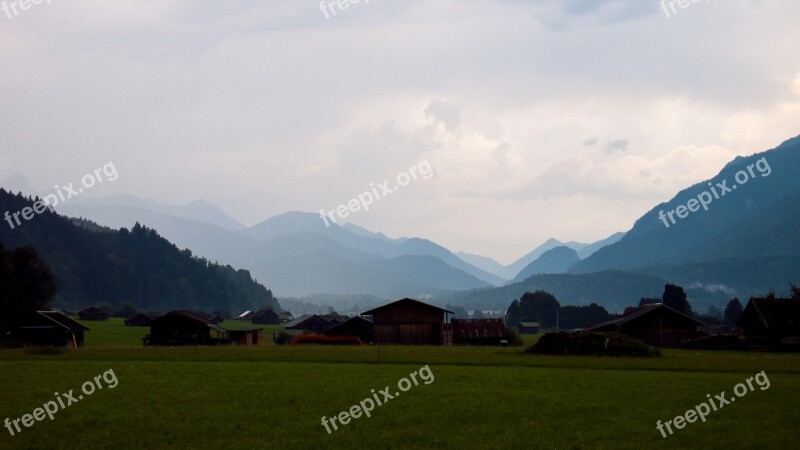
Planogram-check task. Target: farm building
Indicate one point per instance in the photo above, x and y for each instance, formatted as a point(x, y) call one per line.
point(657, 324)
point(245, 315)
point(479, 332)
point(411, 322)
point(217, 319)
point(529, 327)
point(286, 316)
point(313, 323)
point(185, 328)
point(357, 326)
point(772, 323)
point(92, 313)
point(48, 328)
point(265, 317)
point(138, 320)
point(253, 336)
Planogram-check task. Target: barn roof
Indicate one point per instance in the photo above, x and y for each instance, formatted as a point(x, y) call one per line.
point(642, 311)
point(262, 312)
point(90, 309)
point(353, 322)
point(63, 321)
point(408, 301)
point(783, 313)
point(302, 319)
point(186, 315)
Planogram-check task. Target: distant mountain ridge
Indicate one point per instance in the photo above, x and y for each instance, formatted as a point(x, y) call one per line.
point(554, 261)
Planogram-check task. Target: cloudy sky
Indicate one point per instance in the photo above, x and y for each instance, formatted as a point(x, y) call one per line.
point(540, 118)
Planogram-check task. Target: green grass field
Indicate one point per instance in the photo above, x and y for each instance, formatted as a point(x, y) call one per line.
point(274, 397)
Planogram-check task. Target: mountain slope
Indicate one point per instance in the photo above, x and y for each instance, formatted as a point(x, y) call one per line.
point(590, 249)
point(363, 240)
point(482, 262)
point(555, 260)
point(754, 220)
point(510, 271)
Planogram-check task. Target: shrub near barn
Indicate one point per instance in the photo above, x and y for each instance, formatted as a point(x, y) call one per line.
point(590, 343)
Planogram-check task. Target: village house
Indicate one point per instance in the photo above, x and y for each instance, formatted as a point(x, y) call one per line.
point(265, 317)
point(358, 326)
point(138, 320)
point(48, 328)
point(92, 313)
point(771, 323)
point(185, 328)
point(411, 322)
point(529, 327)
point(251, 336)
point(656, 324)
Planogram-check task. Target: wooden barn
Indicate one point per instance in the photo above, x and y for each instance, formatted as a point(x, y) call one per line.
point(312, 323)
point(411, 322)
point(92, 313)
point(185, 328)
point(771, 323)
point(286, 317)
point(265, 317)
point(657, 324)
point(357, 326)
point(138, 320)
point(252, 336)
point(48, 328)
point(529, 327)
point(479, 332)
point(217, 319)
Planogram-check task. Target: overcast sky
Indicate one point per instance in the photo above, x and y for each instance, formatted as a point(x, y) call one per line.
point(540, 118)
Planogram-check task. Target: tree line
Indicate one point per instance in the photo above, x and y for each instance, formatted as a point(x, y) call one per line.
point(95, 265)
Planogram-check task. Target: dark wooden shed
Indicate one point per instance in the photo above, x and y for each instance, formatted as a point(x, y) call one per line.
point(313, 323)
point(265, 317)
point(411, 322)
point(357, 326)
point(529, 327)
point(252, 336)
point(185, 328)
point(657, 324)
point(138, 320)
point(92, 313)
point(48, 328)
point(772, 323)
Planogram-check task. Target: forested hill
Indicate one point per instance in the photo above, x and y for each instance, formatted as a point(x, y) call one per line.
point(94, 265)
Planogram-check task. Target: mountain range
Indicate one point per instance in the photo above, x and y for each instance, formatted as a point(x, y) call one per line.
point(743, 245)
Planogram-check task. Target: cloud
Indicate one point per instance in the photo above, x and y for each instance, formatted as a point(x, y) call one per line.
point(590, 142)
point(618, 145)
point(796, 84)
point(446, 113)
point(631, 176)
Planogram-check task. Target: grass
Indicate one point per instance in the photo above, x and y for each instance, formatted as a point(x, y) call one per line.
point(482, 397)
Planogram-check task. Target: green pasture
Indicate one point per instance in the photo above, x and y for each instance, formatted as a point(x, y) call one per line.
point(482, 397)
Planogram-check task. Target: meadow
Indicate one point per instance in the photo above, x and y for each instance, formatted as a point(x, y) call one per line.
point(481, 397)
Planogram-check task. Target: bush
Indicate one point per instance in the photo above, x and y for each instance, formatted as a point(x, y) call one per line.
point(282, 338)
point(591, 343)
point(513, 337)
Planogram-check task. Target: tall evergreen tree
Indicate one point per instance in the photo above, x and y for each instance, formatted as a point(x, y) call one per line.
point(732, 312)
